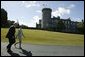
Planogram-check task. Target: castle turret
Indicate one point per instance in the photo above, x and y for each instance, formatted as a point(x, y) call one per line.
point(46, 18)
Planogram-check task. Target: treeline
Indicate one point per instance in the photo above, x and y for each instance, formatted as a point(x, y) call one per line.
point(80, 27)
point(5, 23)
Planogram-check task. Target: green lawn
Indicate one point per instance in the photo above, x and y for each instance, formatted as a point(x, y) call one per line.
point(47, 38)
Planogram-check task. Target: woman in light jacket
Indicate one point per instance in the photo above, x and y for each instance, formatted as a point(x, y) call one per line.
point(19, 36)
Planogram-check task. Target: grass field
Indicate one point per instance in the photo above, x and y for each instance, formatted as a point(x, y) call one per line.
point(47, 37)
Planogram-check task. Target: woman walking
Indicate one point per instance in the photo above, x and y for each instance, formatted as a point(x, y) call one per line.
point(19, 36)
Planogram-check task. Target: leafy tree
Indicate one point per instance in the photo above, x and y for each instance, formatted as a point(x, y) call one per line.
point(60, 25)
point(24, 26)
point(10, 23)
point(58, 17)
point(80, 27)
point(3, 18)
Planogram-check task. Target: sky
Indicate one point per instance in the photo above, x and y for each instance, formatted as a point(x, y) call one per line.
point(30, 12)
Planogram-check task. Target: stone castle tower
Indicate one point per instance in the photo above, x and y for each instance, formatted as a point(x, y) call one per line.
point(46, 18)
point(49, 23)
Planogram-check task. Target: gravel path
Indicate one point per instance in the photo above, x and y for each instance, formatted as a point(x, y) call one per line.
point(43, 50)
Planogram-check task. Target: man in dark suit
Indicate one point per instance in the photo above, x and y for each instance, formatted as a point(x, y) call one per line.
point(11, 37)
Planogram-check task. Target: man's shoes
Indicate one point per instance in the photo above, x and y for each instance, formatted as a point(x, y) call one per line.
point(20, 47)
point(9, 51)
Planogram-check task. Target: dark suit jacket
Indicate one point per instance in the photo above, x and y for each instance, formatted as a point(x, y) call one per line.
point(11, 32)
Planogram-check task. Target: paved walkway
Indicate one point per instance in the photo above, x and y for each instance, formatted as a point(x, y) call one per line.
point(43, 50)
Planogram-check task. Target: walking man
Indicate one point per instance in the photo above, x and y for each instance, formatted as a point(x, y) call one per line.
point(11, 37)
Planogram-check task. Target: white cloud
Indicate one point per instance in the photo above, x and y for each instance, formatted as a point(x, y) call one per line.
point(23, 1)
point(33, 21)
point(76, 19)
point(56, 13)
point(71, 6)
point(36, 19)
point(60, 11)
point(28, 4)
point(39, 11)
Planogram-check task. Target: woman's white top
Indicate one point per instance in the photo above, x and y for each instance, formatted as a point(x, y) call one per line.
point(20, 33)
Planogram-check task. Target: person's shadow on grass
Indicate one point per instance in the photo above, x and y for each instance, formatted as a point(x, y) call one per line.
point(13, 54)
point(26, 52)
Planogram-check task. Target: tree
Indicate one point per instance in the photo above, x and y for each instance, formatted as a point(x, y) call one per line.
point(60, 25)
point(10, 23)
point(80, 27)
point(82, 21)
point(58, 17)
point(24, 26)
point(3, 18)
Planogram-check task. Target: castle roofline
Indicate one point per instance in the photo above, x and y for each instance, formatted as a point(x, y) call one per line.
point(47, 9)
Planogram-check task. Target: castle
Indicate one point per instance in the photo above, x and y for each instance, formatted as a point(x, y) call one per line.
point(47, 22)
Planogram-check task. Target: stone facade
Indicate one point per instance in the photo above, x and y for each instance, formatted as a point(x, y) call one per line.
point(47, 22)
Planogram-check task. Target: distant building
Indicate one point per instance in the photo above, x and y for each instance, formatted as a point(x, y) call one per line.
point(47, 22)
